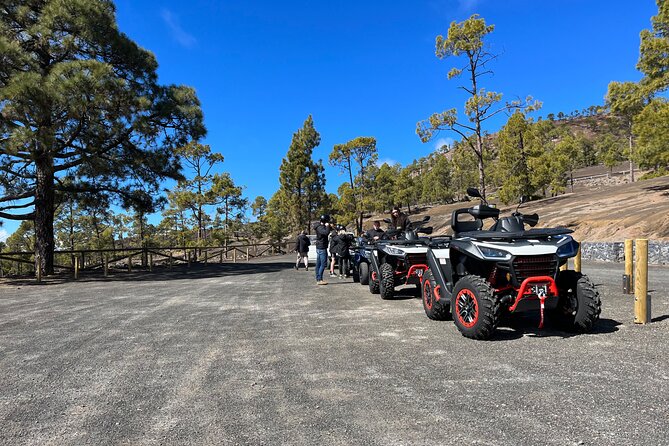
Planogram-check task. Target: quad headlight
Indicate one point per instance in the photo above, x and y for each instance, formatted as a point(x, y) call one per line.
point(569, 249)
point(493, 253)
point(393, 251)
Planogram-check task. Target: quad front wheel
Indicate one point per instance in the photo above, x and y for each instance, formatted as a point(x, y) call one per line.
point(363, 272)
point(387, 281)
point(475, 310)
point(434, 309)
point(579, 304)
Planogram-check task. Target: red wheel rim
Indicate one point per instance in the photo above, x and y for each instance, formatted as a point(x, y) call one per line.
point(428, 298)
point(467, 308)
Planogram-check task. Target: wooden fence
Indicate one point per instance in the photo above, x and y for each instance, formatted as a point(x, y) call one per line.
point(74, 261)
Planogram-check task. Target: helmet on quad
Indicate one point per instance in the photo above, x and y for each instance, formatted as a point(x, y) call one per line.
point(325, 218)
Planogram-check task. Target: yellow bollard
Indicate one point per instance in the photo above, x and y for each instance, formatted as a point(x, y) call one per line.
point(629, 266)
point(76, 267)
point(641, 304)
point(577, 260)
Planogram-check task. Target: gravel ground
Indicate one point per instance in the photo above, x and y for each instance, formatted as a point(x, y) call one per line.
point(258, 354)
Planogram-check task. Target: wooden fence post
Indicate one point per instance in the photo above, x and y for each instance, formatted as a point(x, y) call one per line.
point(641, 301)
point(76, 267)
point(188, 257)
point(130, 263)
point(105, 266)
point(150, 262)
point(234, 255)
point(221, 259)
point(247, 254)
point(206, 256)
point(171, 259)
point(629, 267)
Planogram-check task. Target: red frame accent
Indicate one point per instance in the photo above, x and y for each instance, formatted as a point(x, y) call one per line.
point(475, 300)
point(375, 276)
point(430, 304)
point(437, 293)
point(523, 291)
point(412, 271)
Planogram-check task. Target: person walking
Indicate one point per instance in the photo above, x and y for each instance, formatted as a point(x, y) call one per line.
point(302, 248)
point(322, 232)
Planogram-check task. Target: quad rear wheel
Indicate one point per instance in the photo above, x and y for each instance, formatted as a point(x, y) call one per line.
point(437, 309)
point(579, 304)
point(475, 310)
point(373, 282)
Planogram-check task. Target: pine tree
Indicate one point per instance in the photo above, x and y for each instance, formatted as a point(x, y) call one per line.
point(80, 100)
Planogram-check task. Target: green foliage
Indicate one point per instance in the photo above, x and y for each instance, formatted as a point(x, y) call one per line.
point(517, 145)
point(652, 128)
point(436, 182)
point(654, 52)
point(302, 189)
point(354, 158)
point(467, 39)
point(81, 112)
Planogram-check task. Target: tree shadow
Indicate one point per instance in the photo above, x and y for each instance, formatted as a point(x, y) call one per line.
point(158, 274)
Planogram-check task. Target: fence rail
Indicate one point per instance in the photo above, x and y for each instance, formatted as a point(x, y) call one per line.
point(23, 263)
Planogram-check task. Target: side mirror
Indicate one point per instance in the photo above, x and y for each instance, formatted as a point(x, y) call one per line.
point(426, 219)
point(524, 199)
point(473, 192)
point(531, 220)
point(387, 220)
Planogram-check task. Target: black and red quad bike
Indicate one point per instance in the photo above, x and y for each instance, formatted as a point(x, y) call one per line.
point(401, 261)
point(478, 275)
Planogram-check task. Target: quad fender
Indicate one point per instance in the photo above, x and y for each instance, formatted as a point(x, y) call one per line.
point(374, 262)
point(443, 279)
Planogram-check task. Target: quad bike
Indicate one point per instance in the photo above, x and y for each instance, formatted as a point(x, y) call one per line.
point(360, 260)
point(401, 261)
point(479, 275)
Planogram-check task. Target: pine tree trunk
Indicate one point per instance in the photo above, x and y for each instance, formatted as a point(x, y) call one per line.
point(44, 209)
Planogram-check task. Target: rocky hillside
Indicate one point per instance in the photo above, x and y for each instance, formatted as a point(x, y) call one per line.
point(595, 213)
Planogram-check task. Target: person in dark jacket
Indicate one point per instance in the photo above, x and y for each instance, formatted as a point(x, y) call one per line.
point(398, 220)
point(322, 232)
point(341, 245)
point(302, 248)
point(375, 233)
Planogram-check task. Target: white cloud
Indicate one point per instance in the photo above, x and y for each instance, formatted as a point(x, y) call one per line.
point(388, 161)
point(439, 143)
point(178, 33)
point(468, 5)
point(3, 235)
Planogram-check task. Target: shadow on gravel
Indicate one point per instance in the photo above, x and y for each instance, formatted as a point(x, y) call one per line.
point(528, 325)
point(660, 318)
point(161, 274)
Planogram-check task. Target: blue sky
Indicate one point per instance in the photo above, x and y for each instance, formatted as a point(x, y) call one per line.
point(368, 68)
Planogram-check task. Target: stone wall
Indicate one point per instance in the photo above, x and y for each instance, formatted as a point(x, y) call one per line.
point(658, 252)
